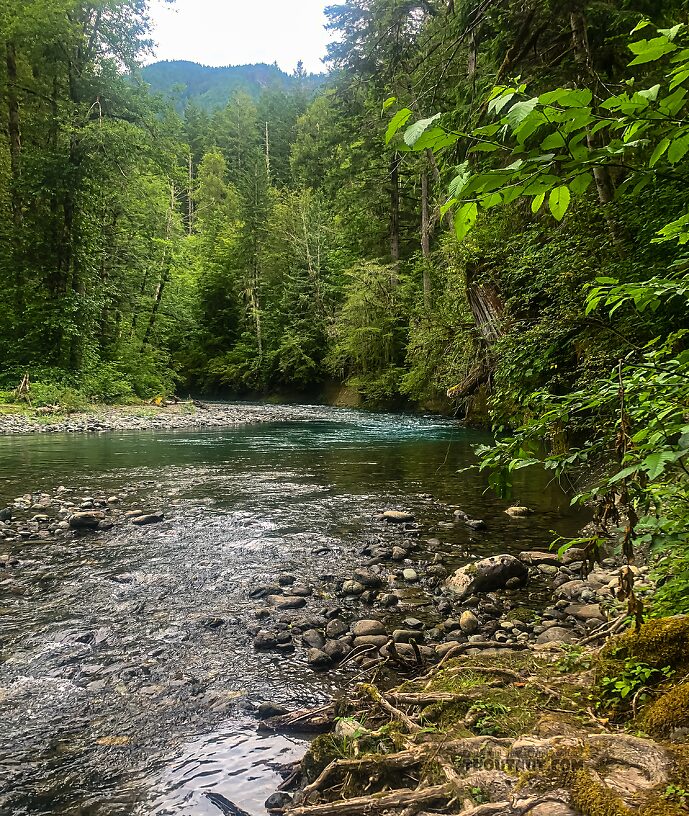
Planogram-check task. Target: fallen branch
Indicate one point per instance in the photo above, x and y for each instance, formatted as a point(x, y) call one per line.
point(378, 698)
point(506, 673)
point(306, 720)
point(387, 762)
point(366, 805)
point(461, 648)
point(428, 698)
point(605, 631)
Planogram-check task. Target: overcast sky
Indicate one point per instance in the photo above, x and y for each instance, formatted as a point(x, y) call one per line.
point(237, 32)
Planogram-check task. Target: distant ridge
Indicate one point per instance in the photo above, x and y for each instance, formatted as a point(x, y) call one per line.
point(211, 87)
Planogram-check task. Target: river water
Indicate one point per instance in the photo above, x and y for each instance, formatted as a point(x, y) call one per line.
point(127, 673)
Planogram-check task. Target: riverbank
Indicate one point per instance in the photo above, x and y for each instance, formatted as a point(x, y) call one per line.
point(539, 732)
point(193, 415)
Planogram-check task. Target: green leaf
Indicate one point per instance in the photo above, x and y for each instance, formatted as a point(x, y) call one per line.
point(541, 184)
point(678, 149)
point(657, 154)
point(558, 202)
point(679, 78)
point(554, 140)
point(651, 50)
point(518, 113)
point(654, 464)
point(465, 218)
point(434, 139)
point(580, 184)
point(389, 102)
point(567, 98)
point(650, 94)
point(459, 181)
point(398, 121)
point(413, 133)
point(671, 33)
point(499, 102)
point(491, 200)
point(448, 205)
point(483, 147)
point(537, 203)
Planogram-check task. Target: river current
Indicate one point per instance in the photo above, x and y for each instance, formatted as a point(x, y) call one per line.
point(127, 674)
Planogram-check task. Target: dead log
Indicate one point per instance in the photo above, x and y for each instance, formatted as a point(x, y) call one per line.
point(386, 762)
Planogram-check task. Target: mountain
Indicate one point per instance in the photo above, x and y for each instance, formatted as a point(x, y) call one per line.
point(212, 87)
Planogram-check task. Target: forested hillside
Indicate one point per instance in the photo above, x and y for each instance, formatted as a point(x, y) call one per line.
point(284, 241)
point(209, 87)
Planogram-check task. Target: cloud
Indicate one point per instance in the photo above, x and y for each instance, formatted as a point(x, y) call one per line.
point(239, 32)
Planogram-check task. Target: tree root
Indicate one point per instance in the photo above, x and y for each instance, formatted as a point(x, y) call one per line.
point(508, 674)
point(378, 698)
point(377, 803)
point(431, 697)
point(461, 648)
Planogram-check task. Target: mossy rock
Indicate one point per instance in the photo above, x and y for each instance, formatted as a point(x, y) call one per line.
point(521, 614)
point(322, 751)
point(668, 712)
point(659, 643)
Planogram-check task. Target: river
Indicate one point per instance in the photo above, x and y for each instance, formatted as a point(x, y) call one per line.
point(127, 674)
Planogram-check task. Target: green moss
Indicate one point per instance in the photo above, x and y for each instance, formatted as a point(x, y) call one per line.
point(521, 613)
point(322, 751)
point(668, 712)
point(594, 799)
point(659, 643)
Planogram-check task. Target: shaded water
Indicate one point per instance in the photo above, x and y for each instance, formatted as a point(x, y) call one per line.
point(126, 665)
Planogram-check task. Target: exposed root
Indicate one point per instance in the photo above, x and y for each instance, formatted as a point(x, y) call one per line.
point(378, 698)
point(365, 805)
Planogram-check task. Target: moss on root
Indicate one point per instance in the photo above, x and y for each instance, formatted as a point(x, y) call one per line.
point(659, 643)
point(668, 712)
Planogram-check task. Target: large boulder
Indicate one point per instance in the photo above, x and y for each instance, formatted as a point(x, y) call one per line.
point(397, 516)
point(86, 521)
point(488, 574)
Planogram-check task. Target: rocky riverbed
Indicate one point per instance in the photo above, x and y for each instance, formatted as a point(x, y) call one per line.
point(361, 616)
point(175, 586)
point(193, 415)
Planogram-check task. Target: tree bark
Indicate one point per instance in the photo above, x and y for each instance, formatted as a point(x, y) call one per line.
point(395, 209)
point(165, 273)
point(426, 238)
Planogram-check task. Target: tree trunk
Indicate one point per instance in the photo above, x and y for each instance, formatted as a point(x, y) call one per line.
point(582, 56)
point(426, 238)
point(395, 209)
point(164, 275)
point(472, 65)
point(14, 131)
point(190, 196)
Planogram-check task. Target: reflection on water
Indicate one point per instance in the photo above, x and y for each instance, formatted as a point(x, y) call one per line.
point(236, 763)
point(125, 656)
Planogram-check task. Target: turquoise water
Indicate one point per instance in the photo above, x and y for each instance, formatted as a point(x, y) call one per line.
point(115, 697)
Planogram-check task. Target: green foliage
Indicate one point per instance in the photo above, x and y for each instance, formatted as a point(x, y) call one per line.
point(633, 678)
point(211, 88)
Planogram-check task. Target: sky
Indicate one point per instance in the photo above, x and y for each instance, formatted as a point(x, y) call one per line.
point(239, 32)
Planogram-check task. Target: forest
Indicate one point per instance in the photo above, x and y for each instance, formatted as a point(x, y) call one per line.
point(482, 209)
